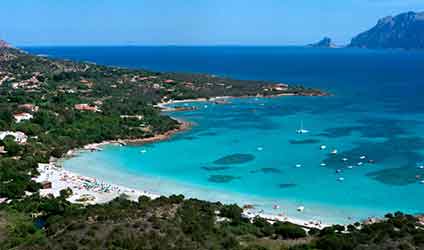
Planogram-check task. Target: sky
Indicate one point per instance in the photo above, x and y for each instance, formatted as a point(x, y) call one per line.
point(191, 22)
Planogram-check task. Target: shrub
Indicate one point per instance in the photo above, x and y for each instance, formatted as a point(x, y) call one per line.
point(288, 230)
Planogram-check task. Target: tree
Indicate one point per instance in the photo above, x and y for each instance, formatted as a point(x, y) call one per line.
point(65, 193)
point(11, 146)
point(232, 212)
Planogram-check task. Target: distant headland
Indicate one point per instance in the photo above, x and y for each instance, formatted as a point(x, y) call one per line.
point(404, 31)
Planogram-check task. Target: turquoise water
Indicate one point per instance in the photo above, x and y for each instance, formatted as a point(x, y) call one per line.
point(248, 151)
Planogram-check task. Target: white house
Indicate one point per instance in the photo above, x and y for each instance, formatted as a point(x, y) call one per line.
point(22, 117)
point(20, 137)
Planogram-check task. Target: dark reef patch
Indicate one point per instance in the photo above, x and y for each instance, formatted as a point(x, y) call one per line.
point(307, 141)
point(222, 178)
point(234, 159)
point(287, 185)
point(396, 176)
point(373, 128)
point(215, 168)
point(267, 171)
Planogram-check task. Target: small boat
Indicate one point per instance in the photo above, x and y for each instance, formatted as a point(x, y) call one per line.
point(302, 130)
point(276, 207)
point(338, 171)
point(360, 163)
point(323, 164)
point(344, 159)
point(322, 147)
point(300, 208)
point(349, 167)
point(143, 151)
point(422, 182)
point(260, 148)
point(362, 157)
point(340, 179)
point(421, 167)
point(334, 152)
point(298, 165)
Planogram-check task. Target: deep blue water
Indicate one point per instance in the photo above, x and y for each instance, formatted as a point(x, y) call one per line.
point(247, 152)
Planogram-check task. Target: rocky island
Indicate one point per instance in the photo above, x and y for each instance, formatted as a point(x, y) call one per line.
point(326, 42)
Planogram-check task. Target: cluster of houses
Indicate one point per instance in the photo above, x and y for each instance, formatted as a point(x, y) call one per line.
point(276, 87)
point(4, 76)
point(87, 107)
point(29, 107)
point(87, 83)
point(31, 83)
point(22, 116)
point(20, 137)
point(25, 116)
point(142, 78)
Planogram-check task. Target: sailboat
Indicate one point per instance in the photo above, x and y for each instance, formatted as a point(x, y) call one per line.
point(302, 130)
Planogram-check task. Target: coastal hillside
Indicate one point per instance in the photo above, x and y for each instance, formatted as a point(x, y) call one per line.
point(48, 107)
point(404, 31)
point(4, 44)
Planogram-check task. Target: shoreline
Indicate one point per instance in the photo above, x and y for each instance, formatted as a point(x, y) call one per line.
point(90, 190)
point(163, 106)
point(184, 125)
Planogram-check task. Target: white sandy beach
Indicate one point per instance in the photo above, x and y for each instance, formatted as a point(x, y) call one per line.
point(89, 190)
point(85, 190)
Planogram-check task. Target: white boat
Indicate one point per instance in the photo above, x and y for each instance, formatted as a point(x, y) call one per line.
point(143, 151)
point(298, 165)
point(323, 147)
point(349, 167)
point(302, 130)
point(323, 164)
point(260, 148)
point(362, 157)
point(340, 179)
point(360, 163)
point(334, 152)
point(344, 159)
point(300, 208)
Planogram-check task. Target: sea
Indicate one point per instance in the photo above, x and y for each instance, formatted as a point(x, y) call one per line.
point(362, 157)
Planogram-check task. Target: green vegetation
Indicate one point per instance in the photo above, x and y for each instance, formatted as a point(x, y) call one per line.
point(120, 104)
point(176, 223)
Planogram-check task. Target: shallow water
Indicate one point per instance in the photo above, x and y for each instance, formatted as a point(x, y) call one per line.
point(248, 151)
